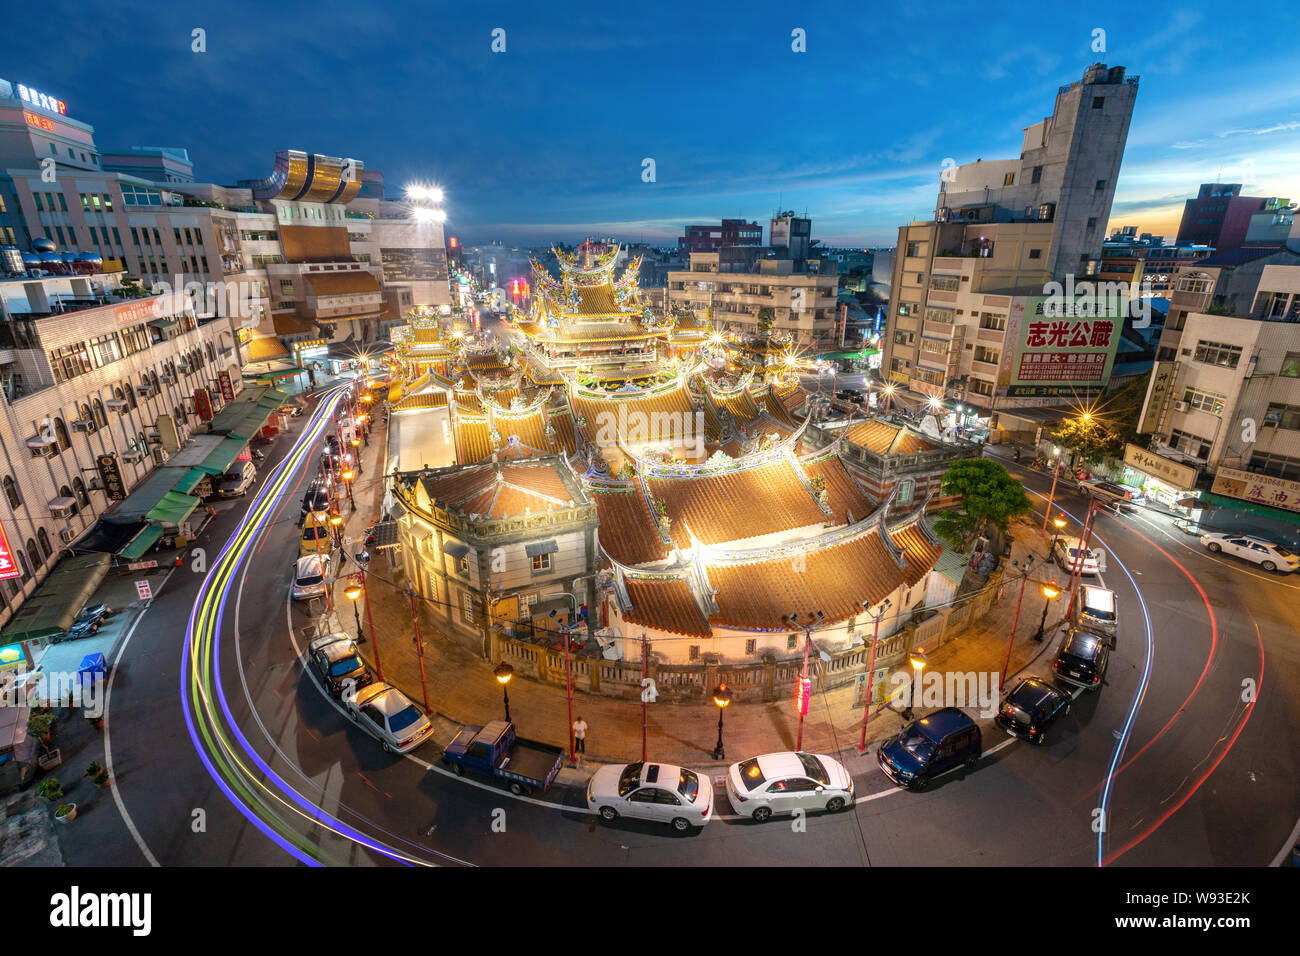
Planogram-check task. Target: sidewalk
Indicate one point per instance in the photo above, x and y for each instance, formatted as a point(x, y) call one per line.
point(462, 690)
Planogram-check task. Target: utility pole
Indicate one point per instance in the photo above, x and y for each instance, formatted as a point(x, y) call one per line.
point(645, 706)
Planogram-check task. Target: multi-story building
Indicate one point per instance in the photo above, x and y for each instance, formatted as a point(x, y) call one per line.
point(1220, 216)
point(731, 232)
point(89, 373)
point(1147, 261)
point(1005, 229)
point(748, 289)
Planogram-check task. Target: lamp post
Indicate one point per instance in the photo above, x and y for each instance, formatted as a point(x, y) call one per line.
point(336, 521)
point(503, 672)
point(804, 691)
point(1056, 471)
point(871, 670)
point(889, 397)
point(568, 670)
point(1050, 591)
point(374, 644)
point(918, 661)
point(1024, 578)
point(353, 592)
point(324, 569)
point(1059, 524)
point(722, 697)
point(419, 648)
point(347, 484)
point(356, 452)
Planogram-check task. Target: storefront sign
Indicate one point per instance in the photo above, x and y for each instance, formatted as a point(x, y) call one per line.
point(1057, 355)
point(227, 386)
point(203, 404)
point(143, 589)
point(141, 310)
point(802, 695)
point(12, 655)
point(141, 565)
point(111, 476)
point(43, 100)
point(1175, 474)
point(1162, 382)
point(1260, 489)
point(8, 566)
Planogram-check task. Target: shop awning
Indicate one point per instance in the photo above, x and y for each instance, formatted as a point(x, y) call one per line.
point(173, 508)
point(142, 542)
point(540, 548)
point(56, 602)
point(223, 456)
point(192, 479)
point(146, 495)
point(456, 550)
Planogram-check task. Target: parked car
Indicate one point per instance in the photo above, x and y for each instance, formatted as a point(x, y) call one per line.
point(1068, 554)
point(387, 714)
point(930, 746)
point(1110, 491)
point(336, 660)
point(652, 791)
point(316, 500)
point(309, 574)
point(784, 782)
point(1082, 659)
point(1031, 708)
point(315, 537)
point(494, 750)
point(1269, 556)
point(237, 481)
point(1097, 611)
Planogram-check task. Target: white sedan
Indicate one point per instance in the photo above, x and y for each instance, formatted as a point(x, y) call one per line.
point(1070, 557)
point(385, 712)
point(309, 577)
point(1269, 556)
point(652, 791)
point(785, 782)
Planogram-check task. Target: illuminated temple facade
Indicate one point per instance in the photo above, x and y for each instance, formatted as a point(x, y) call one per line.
point(637, 464)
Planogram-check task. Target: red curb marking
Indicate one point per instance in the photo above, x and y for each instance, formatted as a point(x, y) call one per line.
point(372, 786)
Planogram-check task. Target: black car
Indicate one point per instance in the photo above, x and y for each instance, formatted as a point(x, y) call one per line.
point(1082, 659)
point(1031, 708)
point(933, 745)
point(336, 661)
point(317, 498)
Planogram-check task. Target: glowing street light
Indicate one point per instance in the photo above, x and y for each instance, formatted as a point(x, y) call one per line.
point(503, 672)
point(918, 660)
point(1050, 592)
point(722, 696)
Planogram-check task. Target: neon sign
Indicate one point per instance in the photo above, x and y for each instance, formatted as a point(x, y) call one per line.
point(43, 100)
point(40, 121)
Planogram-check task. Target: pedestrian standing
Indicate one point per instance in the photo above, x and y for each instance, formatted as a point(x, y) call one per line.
point(580, 735)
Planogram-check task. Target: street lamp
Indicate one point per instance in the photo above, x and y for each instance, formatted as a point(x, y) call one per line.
point(804, 691)
point(1059, 523)
point(918, 661)
point(871, 669)
point(336, 520)
point(722, 697)
point(503, 672)
point(352, 592)
point(889, 397)
point(347, 484)
point(1050, 591)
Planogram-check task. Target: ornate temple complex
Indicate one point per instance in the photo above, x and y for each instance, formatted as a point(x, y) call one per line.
point(672, 481)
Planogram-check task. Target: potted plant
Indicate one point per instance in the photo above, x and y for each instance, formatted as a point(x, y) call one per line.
point(50, 789)
point(94, 769)
point(66, 813)
point(40, 725)
point(101, 779)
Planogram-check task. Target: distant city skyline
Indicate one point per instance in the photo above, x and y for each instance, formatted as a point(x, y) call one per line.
point(547, 140)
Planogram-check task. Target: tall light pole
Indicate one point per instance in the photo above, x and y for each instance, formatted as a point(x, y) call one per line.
point(419, 648)
point(871, 669)
point(1024, 577)
point(918, 661)
point(721, 697)
point(804, 691)
point(1050, 592)
point(1056, 471)
point(352, 593)
point(503, 672)
point(568, 669)
point(1084, 538)
point(1059, 523)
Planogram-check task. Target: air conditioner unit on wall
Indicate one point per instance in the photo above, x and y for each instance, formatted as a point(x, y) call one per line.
point(81, 425)
point(1180, 406)
point(44, 451)
point(160, 456)
point(132, 455)
point(146, 390)
point(67, 535)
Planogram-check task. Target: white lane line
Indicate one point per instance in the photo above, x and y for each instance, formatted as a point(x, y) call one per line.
point(108, 739)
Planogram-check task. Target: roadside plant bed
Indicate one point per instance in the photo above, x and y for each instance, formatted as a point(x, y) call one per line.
point(97, 774)
point(66, 813)
point(50, 789)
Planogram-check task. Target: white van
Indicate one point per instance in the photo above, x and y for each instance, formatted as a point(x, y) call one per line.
point(235, 483)
point(1098, 611)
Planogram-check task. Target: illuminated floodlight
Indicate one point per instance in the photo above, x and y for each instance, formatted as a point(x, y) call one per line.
point(424, 214)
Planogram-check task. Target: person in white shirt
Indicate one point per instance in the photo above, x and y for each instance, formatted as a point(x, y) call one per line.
point(580, 735)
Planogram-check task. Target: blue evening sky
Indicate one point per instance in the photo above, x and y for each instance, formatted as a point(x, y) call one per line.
point(547, 140)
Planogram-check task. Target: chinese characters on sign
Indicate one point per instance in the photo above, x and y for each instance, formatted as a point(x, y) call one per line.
point(1056, 356)
point(1175, 474)
point(227, 386)
point(8, 566)
point(203, 404)
point(111, 476)
point(1161, 383)
point(37, 98)
point(1261, 489)
point(1070, 334)
point(138, 311)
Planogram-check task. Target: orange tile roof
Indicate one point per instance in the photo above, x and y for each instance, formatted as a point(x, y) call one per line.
point(566, 438)
point(265, 349)
point(501, 490)
point(873, 435)
point(667, 606)
point(772, 405)
point(675, 401)
point(467, 403)
point(424, 400)
point(473, 440)
point(626, 530)
point(531, 429)
point(834, 580)
point(921, 554)
point(342, 283)
point(845, 497)
point(288, 325)
point(741, 406)
point(736, 504)
point(593, 300)
point(909, 444)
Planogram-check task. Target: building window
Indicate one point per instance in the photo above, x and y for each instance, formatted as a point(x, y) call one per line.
point(1098, 102)
point(541, 562)
point(33, 555)
point(1216, 353)
point(1009, 179)
point(1290, 366)
point(1092, 222)
point(1037, 175)
point(1101, 185)
point(694, 653)
point(43, 539)
point(792, 642)
point(11, 492)
point(79, 488)
point(1211, 402)
point(750, 646)
point(1190, 444)
point(462, 565)
point(1279, 466)
point(913, 249)
point(906, 488)
point(1283, 416)
point(1035, 253)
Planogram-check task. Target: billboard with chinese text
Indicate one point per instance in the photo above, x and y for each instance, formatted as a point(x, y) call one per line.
point(1056, 356)
point(1261, 489)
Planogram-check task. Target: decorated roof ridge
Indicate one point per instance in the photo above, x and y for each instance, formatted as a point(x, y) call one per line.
point(827, 539)
point(914, 517)
point(730, 391)
point(648, 500)
point(820, 455)
point(807, 483)
point(495, 408)
point(882, 514)
point(501, 482)
point(712, 467)
point(629, 393)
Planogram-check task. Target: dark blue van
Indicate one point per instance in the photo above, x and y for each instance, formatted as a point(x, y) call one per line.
point(935, 744)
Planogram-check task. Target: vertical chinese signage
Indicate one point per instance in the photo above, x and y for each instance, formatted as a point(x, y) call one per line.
point(1162, 383)
point(203, 404)
point(1261, 489)
point(1059, 356)
point(111, 476)
point(227, 386)
point(8, 566)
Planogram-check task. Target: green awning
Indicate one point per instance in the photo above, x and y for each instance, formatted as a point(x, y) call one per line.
point(142, 542)
point(60, 597)
point(251, 424)
point(144, 497)
point(223, 456)
point(173, 508)
point(192, 479)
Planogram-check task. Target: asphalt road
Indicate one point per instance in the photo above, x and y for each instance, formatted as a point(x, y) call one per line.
point(1165, 765)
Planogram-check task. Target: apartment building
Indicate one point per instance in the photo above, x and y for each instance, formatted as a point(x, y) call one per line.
point(1220, 216)
point(1004, 229)
point(730, 232)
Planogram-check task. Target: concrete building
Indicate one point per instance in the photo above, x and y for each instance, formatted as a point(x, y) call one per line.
point(1220, 216)
point(1005, 229)
point(730, 232)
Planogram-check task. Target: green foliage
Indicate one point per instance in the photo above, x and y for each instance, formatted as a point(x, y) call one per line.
point(50, 789)
point(39, 725)
point(93, 770)
point(1091, 440)
point(989, 495)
